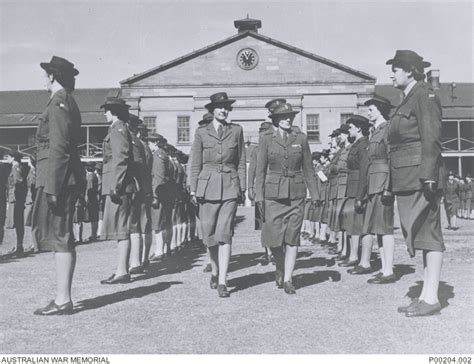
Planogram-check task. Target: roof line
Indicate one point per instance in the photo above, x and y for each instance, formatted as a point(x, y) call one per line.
point(236, 37)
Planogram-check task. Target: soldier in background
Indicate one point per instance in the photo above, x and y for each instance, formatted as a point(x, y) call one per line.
point(30, 191)
point(16, 200)
point(324, 194)
point(143, 194)
point(92, 201)
point(451, 201)
point(162, 204)
point(118, 185)
point(182, 198)
point(100, 198)
point(145, 218)
point(264, 127)
point(4, 173)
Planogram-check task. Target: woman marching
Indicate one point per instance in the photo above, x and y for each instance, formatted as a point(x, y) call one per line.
point(415, 170)
point(284, 171)
point(218, 183)
point(118, 185)
point(59, 178)
point(374, 190)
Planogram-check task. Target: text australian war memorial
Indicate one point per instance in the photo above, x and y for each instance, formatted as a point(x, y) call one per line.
point(251, 68)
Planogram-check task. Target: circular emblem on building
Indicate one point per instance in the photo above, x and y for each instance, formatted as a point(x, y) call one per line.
point(247, 59)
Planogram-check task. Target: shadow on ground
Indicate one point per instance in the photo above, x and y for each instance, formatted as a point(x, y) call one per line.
point(109, 299)
point(445, 292)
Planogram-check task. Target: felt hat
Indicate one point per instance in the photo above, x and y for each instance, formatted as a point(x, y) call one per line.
point(60, 65)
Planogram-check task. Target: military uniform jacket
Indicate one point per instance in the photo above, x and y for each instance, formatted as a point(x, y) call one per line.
point(322, 186)
point(357, 154)
point(160, 174)
point(139, 167)
point(339, 169)
point(332, 176)
point(463, 191)
point(451, 192)
point(30, 186)
point(57, 137)
point(252, 168)
point(415, 140)
point(118, 158)
point(284, 170)
point(147, 170)
point(219, 168)
point(16, 184)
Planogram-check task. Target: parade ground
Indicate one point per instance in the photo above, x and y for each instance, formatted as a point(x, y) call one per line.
point(172, 310)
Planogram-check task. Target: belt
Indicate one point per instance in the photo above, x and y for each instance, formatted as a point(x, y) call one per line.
point(409, 145)
point(285, 173)
point(220, 168)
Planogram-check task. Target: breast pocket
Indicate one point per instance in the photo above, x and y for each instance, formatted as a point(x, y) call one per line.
point(272, 186)
point(209, 151)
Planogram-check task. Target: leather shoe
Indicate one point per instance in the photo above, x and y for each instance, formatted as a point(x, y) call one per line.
point(53, 309)
point(348, 263)
point(222, 291)
point(136, 270)
point(214, 282)
point(424, 309)
point(358, 269)
point(381, 279)
point(156, 258)
point(413, 303)
point(289, 288)
point(115, 280)
point(279, 278)
point(340, 258)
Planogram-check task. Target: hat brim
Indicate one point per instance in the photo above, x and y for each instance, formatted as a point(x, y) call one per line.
point(398, 62)
point(213, 105)
point(376, 103)
point(49, 67)
point(286, 113)
point(114, 106)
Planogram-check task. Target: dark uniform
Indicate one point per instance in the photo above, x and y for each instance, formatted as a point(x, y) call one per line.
point(59, 172)
point(415, 156)
point(30, 195)
point(374, 175)
point(451, 198)
point(339, 173)
point(117, 177)
point(16, 203)
point(145, 218)
point(91, 196)
point(251, 180)
point(218, 177)
point(351, 222)
point(284, 171)
point(161, 216)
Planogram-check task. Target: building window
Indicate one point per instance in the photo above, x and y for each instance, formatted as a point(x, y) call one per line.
point(312, 127)
point(183, 130)
point(345, 117)
point(150, 123)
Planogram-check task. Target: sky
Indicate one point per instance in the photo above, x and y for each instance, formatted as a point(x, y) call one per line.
point(111, 40)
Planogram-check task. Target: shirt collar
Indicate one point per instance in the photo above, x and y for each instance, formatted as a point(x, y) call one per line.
point(407, 89)
point(216, 124)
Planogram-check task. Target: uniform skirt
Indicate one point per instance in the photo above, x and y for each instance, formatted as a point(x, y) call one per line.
point(316, 213)
point(15, 215)
point(283, 220)
point(28, 214)
point(335, 214)
point(161, 217)
point(258, 219)
point(52, 230)
point(136, 213)
point(308, 210)
point(180, 212)
point(325, 213)
point(79, 214)
point(378, 218)
point(351, 222)
point(217, 221)
point(92, 212)
point(420, 221)
point(145, 217)
point(117, 218)
point(451, 207)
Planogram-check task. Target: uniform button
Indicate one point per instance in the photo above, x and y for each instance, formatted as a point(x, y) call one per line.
point(219, 142)
point(286, 157)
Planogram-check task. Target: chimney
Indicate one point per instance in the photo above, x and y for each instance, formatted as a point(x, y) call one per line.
point(248, 25)
point(433, 79)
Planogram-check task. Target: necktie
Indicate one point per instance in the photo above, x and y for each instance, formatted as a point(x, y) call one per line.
point(285, 136)
point(220, 131)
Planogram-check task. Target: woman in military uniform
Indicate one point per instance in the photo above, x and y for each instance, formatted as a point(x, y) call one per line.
point(374, 192)
point(59, 177)
point(16, 200)
point(118, 185)
point(351, 222)
point(92, 201)
point(451, 201)
point(417, 174)
point(324, 195)
point(284, 172)
point(30, 191)
point(218, 182)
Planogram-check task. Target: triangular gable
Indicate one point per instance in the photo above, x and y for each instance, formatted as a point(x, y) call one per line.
point(235, 38)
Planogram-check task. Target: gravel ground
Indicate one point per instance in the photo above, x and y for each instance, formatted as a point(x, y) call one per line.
point(172, 310)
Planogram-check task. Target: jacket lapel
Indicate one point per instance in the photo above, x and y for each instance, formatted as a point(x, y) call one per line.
point(277, 138)
point(211, 131)
point(291, 138)
point(227, 131)
point(405, 99)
